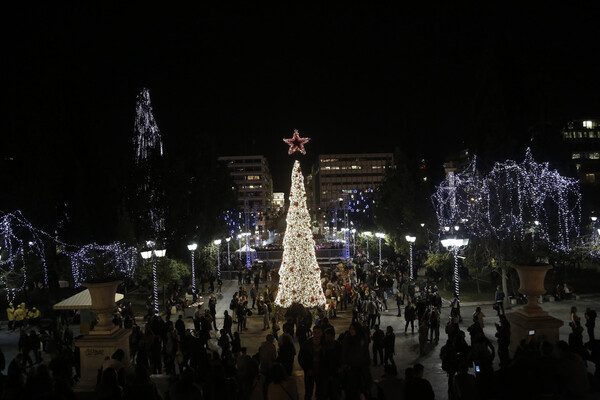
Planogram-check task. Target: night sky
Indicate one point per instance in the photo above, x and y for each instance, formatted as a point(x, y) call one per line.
point(237, 79)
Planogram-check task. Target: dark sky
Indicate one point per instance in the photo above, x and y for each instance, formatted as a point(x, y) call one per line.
point(238, 79)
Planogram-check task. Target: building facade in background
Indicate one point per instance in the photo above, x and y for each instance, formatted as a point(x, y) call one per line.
point(582, 138)
point(254, 185)
point(337, 175)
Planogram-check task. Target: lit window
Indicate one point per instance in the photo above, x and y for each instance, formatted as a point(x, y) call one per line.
point(577, 167)
point(424, 179)
point(588, 124)
point(253, 177)
point(356, 167)
point(579, 135)
point(576, 156)
point(594, 156)
point(591, 178)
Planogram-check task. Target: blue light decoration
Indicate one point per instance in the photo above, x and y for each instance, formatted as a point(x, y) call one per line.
point(512, 200)
point(148, 146)
point(360, 208)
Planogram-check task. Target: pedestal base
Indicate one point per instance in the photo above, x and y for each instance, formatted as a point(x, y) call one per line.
point(523, 324)
point(93, 350)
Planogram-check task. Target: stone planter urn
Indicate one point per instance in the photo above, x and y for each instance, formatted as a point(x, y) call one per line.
point(531, 278)
point(532, 321)
point(103, 305)
point(104, 339)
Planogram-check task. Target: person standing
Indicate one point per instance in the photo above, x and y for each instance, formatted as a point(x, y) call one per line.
point(227, 324)
point(10, 312)
point(253, 294)
point(590, 322)
point(409, 316)
point(419, 387)
point(434, 325)
point(478, 316)
point(377, 339)
point(499, 299)
point(212, 306)
point(267, 353)
point(266, 316)
point(310, 358)
point(389, 346)
point(197, 316)
point(399, 303)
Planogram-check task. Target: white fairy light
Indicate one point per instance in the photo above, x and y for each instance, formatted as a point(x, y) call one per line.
point(300, 274)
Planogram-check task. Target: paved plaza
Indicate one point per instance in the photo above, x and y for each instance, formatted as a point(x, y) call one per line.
point(407, 346)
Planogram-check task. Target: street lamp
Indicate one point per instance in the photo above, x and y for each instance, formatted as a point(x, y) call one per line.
point(455, 245)
point(228, 256)
point(411, 240)
point(146, 255)
point(368, 235)
point(192, 247)
point(354, 241)
point(380, 236)
point(218, 244)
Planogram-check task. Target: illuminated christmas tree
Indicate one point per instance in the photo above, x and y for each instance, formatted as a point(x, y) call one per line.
point(300, 274)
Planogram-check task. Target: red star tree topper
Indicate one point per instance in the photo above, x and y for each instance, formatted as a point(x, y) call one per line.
point(300, 274)
point(296, 143)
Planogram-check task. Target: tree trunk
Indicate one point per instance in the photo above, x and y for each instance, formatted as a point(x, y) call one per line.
point(477, 281)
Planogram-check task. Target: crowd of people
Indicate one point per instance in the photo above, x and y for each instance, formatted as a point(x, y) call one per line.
point(210, 360)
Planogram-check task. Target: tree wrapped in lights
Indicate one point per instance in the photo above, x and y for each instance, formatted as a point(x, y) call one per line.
point(515, 201)
point(147, 142)
point(101, 263)
point(19, 240)
point(300, 274)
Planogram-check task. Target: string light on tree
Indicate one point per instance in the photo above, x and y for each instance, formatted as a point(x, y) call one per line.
point(192, 248)
point(504, 203)
point(300, 274)
point(411, 240)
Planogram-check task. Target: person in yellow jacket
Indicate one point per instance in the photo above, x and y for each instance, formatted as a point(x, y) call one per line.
point(20, 315)
point(34, 316)
point(10, 311)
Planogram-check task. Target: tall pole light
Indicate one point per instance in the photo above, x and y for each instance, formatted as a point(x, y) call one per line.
point(218, 244)
point(192, 248)
point(354, 242)
point(228, 255)
point(380, 236)
point(594, 219)
point(454, 245)
point(411, 240)
point(157, 254)
point(368, 236)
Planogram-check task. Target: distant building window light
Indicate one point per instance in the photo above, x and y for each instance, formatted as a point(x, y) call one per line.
point(576, 156)
point(588, 124)
point(579, 135)
point(356, 167)
point(424, 179)
point(591, 178)
point(594, 156)
point(577, 167)
point(253, 177)
point(592, 134)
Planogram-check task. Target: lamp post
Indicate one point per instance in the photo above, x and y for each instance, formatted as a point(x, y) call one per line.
point(354, 242)
point(594, 219)
point(218, 244)
point(146, 255)
point(380, 236)
point(368, 235)
point(192, 248)
point(228, 255)
point(455, 244)
point(411, 240)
